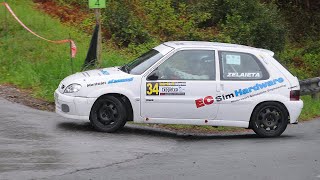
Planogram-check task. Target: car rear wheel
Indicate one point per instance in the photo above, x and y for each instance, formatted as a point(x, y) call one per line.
point(108, 114)
point(269, 119)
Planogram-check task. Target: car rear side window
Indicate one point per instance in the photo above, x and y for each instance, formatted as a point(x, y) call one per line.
point(241, 66)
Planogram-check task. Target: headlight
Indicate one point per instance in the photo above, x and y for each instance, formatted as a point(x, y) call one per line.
point(72, 88)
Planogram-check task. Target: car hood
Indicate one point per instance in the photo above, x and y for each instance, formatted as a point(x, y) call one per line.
point(93, 77)
point(99, 72)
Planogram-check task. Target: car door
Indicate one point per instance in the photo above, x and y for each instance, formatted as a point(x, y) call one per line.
point(241, 75)
point(182, 87)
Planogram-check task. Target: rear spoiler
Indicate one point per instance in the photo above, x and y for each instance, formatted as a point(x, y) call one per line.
point(271, 53)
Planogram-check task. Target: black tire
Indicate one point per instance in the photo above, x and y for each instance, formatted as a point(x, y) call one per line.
point(269, 119)
point(108, 114)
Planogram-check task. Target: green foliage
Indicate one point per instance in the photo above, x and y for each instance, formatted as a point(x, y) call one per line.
point(252, 23)
point(138, 49)
point(302, 17)
point(215, 11)
point(83, 3)
point(311, 108)
point(303, 62)
point(124, 26)
point(143, 21)
point(169, 21)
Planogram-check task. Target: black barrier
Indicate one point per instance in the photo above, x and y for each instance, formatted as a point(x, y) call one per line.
point(311, 87)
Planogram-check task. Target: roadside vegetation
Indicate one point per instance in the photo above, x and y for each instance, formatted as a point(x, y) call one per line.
point(29, 62)
point(132, 27)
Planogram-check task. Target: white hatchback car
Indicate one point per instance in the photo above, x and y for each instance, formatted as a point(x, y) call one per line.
point(197, 83)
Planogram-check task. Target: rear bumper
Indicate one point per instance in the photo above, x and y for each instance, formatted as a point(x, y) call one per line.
point(294, 108)
point(73, 107)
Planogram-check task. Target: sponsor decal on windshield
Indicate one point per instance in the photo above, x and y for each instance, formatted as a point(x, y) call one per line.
point(233, 59)
point(120, 80)
point(261, 88)
point(165, 88)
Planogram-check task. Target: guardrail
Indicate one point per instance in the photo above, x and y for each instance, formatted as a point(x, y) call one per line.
point(311, 87)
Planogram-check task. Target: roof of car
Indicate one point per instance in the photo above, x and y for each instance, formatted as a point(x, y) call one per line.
point(193, 44)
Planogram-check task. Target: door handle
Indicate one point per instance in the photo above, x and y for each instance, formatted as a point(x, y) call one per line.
point(220, 88)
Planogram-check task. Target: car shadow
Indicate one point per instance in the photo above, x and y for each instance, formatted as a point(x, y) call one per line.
point(132, 129)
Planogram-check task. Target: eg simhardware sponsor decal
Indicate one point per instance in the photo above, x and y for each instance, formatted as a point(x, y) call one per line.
point(120, 80)
point(241, 92)
point(205, 101)
point(165, 88)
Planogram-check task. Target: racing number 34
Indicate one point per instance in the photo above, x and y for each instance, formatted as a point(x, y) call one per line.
point(152, 89)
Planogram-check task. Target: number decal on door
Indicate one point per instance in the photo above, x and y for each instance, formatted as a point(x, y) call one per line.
point(152, 89)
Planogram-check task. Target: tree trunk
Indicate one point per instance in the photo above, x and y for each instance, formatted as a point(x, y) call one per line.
point(308, 3)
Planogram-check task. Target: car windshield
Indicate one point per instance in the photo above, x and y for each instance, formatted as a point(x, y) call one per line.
point(142, 63)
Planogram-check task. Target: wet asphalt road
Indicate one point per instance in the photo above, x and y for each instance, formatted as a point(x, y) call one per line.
point(42, 145)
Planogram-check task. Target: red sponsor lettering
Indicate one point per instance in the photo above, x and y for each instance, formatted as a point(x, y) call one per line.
point(199, 103)
point(203, 102)
point(208, 100)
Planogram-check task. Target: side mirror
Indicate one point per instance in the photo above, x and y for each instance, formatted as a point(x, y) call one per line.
point(153, 76)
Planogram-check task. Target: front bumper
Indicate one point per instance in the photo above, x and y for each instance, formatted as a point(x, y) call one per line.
point(73, 107)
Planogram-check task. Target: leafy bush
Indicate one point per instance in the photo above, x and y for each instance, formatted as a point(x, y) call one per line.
point(171, 20)
point(83, 3)
point(311, 57)
point(252, 23)
point(303, 62)
point(124, 26)
point(302, 17)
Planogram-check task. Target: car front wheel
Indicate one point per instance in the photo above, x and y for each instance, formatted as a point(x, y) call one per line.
point(269, 119)
point(108, 114)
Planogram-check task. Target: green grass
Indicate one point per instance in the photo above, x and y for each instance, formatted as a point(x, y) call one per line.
point(311, 108)
point(201, 128)
point(29, 62)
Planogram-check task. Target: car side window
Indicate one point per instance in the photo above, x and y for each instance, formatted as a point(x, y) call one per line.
point(241, 66)
point(189, 65)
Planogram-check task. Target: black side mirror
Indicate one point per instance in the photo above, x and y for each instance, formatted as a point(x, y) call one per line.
point(153, 76)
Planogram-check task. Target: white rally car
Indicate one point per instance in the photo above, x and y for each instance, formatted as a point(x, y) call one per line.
point(197, 83)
